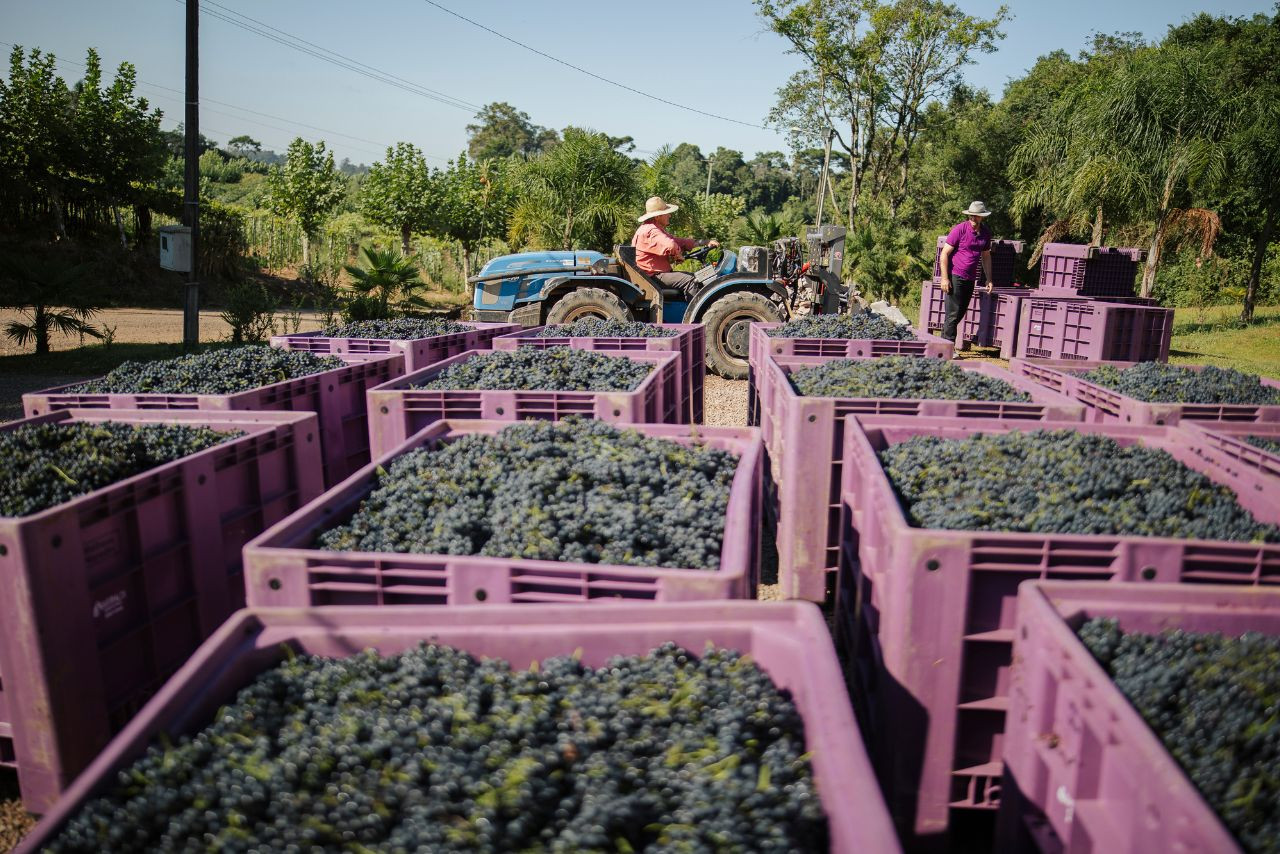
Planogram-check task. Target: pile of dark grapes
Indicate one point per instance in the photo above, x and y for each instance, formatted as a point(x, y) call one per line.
point(1213, 701)
point(223, 371)
point(1266, 443)
point(900, 377)
point(395, 329)
point(1062, 482)
point(432, 750)
point(554, 369)
point(860, 324)
point(1157, 383)
point(44, 465)
point(594, 327)
point(577, 490)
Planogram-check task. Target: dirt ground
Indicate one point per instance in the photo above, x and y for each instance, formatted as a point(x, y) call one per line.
point(150, 326)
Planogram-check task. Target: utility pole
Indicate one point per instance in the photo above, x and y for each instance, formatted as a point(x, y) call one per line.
point(191, 179)
point(707, 197)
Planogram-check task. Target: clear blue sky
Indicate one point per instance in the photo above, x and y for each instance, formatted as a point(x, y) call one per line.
point(712, 55)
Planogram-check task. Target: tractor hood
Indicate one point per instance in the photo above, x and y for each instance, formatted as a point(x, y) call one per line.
point(525, 263)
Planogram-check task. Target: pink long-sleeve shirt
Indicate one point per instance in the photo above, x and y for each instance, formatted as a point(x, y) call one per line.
point(654, 248)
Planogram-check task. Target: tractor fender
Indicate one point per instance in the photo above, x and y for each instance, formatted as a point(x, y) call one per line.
point(702, 302)
point(560, 285)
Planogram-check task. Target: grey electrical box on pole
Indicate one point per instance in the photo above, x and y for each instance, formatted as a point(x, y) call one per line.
point(191, 182)
point(175, 248)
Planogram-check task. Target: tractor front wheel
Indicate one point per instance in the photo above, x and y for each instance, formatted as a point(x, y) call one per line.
point(728, 323)
point(587, 302)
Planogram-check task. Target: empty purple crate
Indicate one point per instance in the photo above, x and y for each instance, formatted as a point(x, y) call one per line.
point(788, 640)
point(690, 341)
point(397, 411)
point(104, 596)
point(417, 352)
point(1069, 269)
point(761, 347)
point(1106, 405)
point(927, 615)
point(1093, 331)
point(337, 397)
point(991, 321)
point(283, 567)
point(1084, 771)
point(1004, 254)
point(805, 440)
point(1226, 444)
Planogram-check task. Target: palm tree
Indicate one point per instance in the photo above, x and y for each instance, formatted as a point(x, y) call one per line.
point(580, 194)
point(386, 284)
point(49, 293)
point(761, 229)
point(1132, 137)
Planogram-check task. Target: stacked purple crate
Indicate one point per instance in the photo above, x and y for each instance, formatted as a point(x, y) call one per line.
point(804, 437)
point(690, 341)
point(1083, 770)
point(785, 639)
point(1092, 330)
point(104, 596)
point(991, 321)
point(1069, 269)
point(284, 568)
point(417, 352)
point(926, 616)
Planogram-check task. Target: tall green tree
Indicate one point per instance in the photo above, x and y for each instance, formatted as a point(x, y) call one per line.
point(475, 206)
point(117, 136)
point(400, 194)
point(580, 194)
point(1134, 136)
point(35, 128)
point(869, 70)
point(501, 131)
point(306, 188)
point(1246, 50)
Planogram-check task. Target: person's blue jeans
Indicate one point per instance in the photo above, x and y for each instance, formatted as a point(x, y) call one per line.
point(957, 304)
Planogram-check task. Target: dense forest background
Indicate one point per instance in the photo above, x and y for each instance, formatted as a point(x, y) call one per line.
point(1171, 146)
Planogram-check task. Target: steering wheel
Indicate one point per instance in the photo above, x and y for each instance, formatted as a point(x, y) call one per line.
point(705, 254)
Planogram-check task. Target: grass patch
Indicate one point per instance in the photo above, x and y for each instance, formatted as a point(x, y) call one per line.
point(1215, 336)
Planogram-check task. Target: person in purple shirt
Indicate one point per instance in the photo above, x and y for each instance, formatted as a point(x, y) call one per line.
point(966, 253)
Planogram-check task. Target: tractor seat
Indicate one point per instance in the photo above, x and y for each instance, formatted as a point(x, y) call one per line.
point(626, 254)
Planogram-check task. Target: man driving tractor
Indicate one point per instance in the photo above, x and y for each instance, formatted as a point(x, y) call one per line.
point(656, 248)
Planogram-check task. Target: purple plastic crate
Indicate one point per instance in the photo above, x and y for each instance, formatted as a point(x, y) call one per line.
point(928, 613)
point(1108, 406)
point(106, 595)
point(284, 569)
point(788, 640)
point(805, 441)
point(690, 342)
point(397, 411)
point(761, 347)
point(1069, 269)
point(991, 321)
point(1225, 444)
point(1004, 254)
point(1093, 331)
point(417, 352)
point(337, 397)
point(1084, 771)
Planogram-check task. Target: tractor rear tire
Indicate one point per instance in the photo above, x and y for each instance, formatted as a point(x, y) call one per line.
point(728, 324)
point(587, 302)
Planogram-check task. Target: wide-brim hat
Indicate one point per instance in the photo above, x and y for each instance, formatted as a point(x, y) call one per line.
point(977, 209)
point(655, 206)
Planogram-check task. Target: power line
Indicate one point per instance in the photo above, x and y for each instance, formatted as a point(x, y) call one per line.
point(592, 74)
point(382, 146)
point(290, 41)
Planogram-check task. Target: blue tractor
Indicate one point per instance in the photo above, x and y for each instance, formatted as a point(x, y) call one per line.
point(756, 284)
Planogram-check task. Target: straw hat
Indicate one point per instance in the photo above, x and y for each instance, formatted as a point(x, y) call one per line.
point(977, 209)
point(656, 207)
